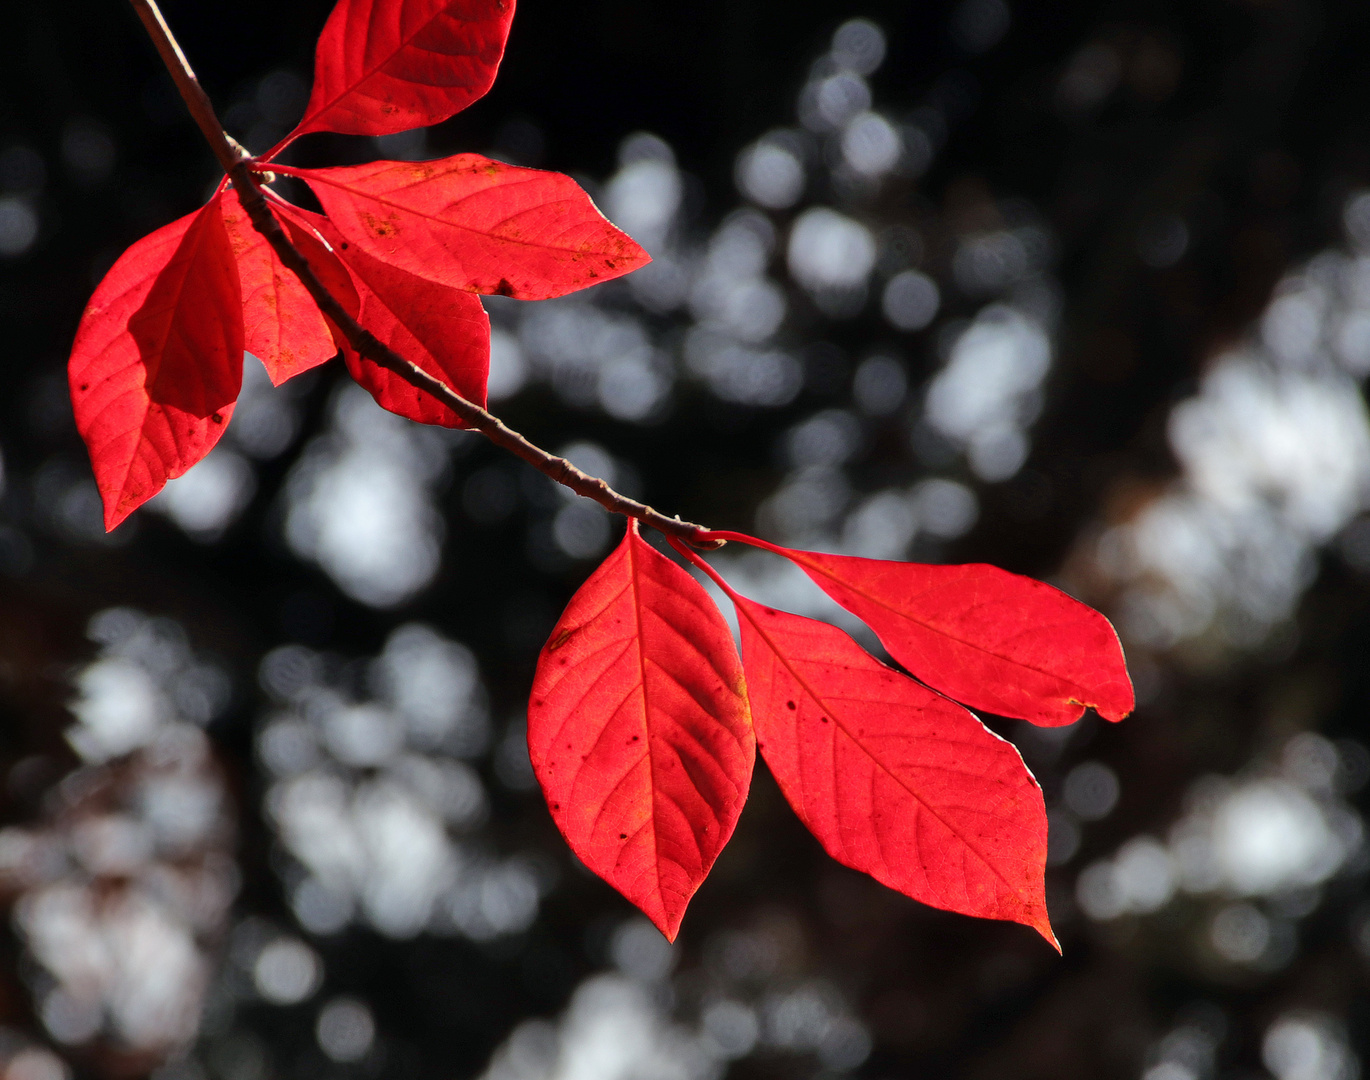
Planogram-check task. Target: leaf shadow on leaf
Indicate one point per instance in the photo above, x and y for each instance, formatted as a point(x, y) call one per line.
point(156, 320)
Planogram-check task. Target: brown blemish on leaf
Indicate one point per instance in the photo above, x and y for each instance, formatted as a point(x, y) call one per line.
point(383, 229)
point(504, 288)
point(561, 639)
point(217, 418)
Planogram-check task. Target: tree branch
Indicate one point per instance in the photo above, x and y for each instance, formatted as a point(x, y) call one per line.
point(239, 166)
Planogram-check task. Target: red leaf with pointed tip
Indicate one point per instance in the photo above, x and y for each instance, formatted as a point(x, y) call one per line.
point(476, 224)
point(893, 779)
point(639, 732)
point(158, 359)
point(383, 66)
point(282, 325)
point(990, 639)
point(442, 330)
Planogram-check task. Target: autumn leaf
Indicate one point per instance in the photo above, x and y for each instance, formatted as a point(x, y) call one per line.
point(472, 223)
point(444, 331)
point(158, 359)
point(282, 325)
point(638, 729)
point(383, 66)
point(893, 779)
point(990, 639)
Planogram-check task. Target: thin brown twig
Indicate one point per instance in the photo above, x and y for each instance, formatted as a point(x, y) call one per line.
point(239, 166)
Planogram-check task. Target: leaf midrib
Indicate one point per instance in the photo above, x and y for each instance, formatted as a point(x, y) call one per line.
point(322, 176)
point(633, 541)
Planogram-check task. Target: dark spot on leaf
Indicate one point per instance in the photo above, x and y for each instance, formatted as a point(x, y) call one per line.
point(560, 640)
point(218, 418)
point(824, 719)
point(85, 386)
point(623, 836)
point(504, 288)
point(376, 225)
point(789, 704)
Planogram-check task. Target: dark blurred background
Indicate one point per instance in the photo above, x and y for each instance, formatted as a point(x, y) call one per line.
point(1078, 288)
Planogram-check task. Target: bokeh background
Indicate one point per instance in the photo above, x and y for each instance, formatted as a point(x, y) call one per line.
point(1077, 287)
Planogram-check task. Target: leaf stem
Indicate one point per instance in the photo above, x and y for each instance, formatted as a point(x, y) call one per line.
point(713, 574)
point(240, 165)
point(197, 101)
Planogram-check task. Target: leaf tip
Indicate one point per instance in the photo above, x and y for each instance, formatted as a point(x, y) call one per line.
point(659, 913)
point(1044, 928)
point(116, 515)
point(119, 507)
point(1118, 703)
point(1035, 916)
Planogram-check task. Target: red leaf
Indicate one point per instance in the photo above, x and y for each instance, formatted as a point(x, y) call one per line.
point(283, 327)
point(476, 224)
point(158, 359)
point(444, 331)
point(993, 640)
point(893, 779)
point(639, 732)
point(383, 66)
